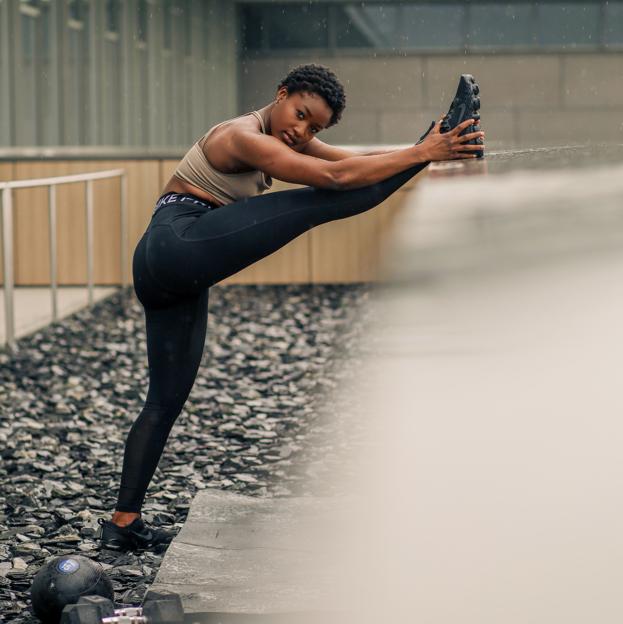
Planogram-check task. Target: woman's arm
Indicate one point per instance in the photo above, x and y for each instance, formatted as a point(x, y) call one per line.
point(276, 159)
point(319, 149)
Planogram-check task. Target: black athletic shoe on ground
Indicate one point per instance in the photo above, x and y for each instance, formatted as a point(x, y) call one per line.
point(465, 105)
point(135, 536)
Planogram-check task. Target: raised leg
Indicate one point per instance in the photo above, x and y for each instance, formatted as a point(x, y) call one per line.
point(193, 254)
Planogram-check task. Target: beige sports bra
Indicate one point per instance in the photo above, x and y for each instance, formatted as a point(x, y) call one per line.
point(226, 187)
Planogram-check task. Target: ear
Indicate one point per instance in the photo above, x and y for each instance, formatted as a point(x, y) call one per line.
point(282, 94)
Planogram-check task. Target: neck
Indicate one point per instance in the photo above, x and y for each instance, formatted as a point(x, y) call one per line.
point(265, 113)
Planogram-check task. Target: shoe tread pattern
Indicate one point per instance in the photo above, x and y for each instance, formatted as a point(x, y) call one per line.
point(465, 105)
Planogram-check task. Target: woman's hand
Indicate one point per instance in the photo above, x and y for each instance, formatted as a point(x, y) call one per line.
point(451, 146)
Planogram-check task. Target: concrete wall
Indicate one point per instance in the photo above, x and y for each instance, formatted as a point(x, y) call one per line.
point(527, 99)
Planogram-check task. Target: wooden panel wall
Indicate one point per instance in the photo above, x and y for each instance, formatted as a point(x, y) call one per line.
point(341, 251)
point(349, 250)
point(31, 223)
point(32, 248)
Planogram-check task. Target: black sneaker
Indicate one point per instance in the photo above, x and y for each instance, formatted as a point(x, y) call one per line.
point(465, 105)
point(135, 536)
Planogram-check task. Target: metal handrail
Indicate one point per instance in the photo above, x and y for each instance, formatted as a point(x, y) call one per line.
point(7, 236)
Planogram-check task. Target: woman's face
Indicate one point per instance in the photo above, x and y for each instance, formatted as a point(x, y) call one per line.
point(297, 118)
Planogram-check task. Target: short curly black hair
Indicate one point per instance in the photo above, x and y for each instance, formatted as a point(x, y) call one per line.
point(319, 79)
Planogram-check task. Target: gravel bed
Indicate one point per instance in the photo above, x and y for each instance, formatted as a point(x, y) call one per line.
point(260, 420)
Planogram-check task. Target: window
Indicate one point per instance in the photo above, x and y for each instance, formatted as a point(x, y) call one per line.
point(112, 16)
point(430, 25)
point(141, 21)
point(253, 28)
point(502, 25)
point(433, 26)
point(30, 7)
point(303, 26)
point(75, 11)
point(167, 25)
point(207, 13)
point(401, 26)
point(35, 30)
point(565, 24)
point(613, 24)
point(29, 26)
point(188, 27)
point(375, 26)
point(284, 26)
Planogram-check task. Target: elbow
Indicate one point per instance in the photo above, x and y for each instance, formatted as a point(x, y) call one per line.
point(337, 181)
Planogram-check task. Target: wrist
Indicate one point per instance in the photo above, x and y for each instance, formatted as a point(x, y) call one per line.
point(420, 153)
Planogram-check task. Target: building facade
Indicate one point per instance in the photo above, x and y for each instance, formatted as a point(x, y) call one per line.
point(160, 72)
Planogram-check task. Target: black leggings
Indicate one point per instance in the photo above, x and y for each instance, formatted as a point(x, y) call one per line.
point(189, 246)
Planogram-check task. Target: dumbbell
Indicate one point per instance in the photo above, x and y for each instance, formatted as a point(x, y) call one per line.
point(159, 607)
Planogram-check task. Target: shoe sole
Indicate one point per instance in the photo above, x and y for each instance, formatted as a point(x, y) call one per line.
point(129, 546)
point(111, 539)
point(465, 105)
point(133, 549)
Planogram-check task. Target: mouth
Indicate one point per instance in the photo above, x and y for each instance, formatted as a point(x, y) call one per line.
point(289, 140)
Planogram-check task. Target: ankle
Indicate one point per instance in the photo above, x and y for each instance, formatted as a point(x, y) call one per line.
point(123, 518)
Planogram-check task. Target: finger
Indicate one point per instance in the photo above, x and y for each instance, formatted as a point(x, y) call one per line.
point(469, 148)
point(436, 128)
point(471, 136)
point(465, 124)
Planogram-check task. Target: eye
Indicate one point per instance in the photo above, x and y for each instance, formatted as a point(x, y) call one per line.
point(301, 113)
point(314, 130)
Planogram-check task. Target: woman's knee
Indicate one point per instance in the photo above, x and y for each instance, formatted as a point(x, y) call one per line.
point(162, 414)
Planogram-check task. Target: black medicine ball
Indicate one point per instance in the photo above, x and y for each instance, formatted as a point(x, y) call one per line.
point(62, 580)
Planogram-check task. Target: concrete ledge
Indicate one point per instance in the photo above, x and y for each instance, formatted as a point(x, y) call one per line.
point(248, 555)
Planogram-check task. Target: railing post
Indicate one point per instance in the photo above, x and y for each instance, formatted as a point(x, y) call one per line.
point(7, 249)
point(6, 220)
point(53, 251)
point(89, 207)
point(124, 230)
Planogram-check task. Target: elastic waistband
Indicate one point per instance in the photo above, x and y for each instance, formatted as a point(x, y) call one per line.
point(182, 198)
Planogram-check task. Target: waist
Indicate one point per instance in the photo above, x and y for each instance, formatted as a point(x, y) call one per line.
point(182, 198)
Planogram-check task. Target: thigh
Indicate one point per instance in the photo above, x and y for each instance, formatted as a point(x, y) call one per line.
point(175, 343)
point(187, 256)
point(222, 242)
point(149, 292)
point(290, 213)
point(194, 254)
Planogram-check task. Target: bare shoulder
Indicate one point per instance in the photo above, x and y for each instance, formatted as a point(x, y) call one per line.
point(241, 147)
point(218, 148)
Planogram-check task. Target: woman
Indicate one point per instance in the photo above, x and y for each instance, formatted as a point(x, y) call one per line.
point(211, 222)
